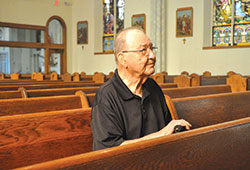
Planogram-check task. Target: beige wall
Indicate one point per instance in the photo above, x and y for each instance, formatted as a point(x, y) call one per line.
point(84, 58)
point(189, 57)
point(37, 12)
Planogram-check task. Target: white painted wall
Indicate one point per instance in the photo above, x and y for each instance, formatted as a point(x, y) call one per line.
point(84, 58)
point(191, 57)
point(37, 12)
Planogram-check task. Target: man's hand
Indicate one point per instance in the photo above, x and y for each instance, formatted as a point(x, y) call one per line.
point(169, 129)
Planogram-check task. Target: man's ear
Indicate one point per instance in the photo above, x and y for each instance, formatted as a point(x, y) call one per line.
point(122, 59)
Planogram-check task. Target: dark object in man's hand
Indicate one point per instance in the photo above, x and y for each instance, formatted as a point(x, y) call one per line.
point(179, 128)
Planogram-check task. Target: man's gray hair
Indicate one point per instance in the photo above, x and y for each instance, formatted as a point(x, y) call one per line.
point(120, 39)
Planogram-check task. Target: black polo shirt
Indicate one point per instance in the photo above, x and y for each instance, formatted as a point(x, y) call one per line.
point(118, 114)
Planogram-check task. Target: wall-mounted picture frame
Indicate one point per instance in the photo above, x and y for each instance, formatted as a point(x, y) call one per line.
point(139, 20)
point(184, 22)
point(82, 32)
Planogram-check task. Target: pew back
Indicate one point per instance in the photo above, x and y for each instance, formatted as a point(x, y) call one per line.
point(38, 137)
point(210, 109)
point(195, 91)
point(221, 146)
point(42, 104)
point(48, 86)
point(60, 91)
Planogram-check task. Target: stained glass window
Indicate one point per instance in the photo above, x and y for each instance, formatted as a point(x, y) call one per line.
point(120, 15)
point(112, 24)
point(231, 28)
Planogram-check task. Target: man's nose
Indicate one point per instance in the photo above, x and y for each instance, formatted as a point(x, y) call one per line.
point(151, 55)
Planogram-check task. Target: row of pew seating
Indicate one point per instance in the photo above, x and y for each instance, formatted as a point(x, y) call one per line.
point(49, 128)
point(236, 81)
point(97, 77)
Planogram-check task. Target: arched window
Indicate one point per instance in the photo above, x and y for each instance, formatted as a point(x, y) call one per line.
point(113, 22)
point(26, 49)
point(56, 38)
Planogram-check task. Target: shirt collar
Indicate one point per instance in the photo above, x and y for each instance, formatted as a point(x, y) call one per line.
point(124, 91)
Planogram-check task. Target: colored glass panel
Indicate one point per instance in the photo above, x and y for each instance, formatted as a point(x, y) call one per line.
point(221, 35)
point(242, 34)
point(222, 10)
point(120, 7)
point(242, 11)
point(108, 17)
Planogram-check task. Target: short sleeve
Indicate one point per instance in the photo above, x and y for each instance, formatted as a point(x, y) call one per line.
point(106, 127)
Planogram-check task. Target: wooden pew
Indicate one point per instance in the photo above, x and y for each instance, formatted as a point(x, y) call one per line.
point(20, 93)
point(181, 80)
point(48, 86)
point(220, 146)
point(38, 137)
point(42, 104)
point(98, 77)
point(60, 91)
point(168, 85)
point(239, 82)
point(182, 91)
point(207, 110)
point(23, 93)
point(195, 91)
point(213, 80)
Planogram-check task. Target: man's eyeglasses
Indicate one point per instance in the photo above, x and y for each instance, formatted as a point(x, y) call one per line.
point(144, 50)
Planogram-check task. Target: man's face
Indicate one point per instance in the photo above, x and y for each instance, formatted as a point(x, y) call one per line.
point(140, 63)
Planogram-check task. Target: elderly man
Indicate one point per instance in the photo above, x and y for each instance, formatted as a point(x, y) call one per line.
point(131, 107)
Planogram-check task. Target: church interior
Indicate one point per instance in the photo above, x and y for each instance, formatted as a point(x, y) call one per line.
point(56, 54)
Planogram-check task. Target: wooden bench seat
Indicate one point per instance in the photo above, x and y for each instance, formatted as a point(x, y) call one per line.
point(168, 85)
point(42, 104)
point(213, 80)
point(20, 93)
point(220, 146)
point(60, 91)
point(38, 137)
point(207, 110)
point(195, 91)
point(49, 86)
point(18, 82)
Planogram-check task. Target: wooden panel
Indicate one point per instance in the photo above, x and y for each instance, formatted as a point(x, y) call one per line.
point(213, 80)
point(168, 85)
point(182, 81)
point(48, 86)
point(206, 74)
point(60, 91)
point(196, 91)
point(158, 77)
point(212, 109)
point(195, 79)
point(10, 95)
point(222, 146)
point(34, 138)
point(39, 104)
point(237, 83)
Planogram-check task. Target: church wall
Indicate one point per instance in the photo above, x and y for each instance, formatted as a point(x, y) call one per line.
point(190, 56)
point(37, 13)
point(84, 58)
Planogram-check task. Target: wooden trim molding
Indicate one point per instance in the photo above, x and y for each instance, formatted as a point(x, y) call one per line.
point(100, 53)
point(226, 47)
point(46, 45)
point(25, 26)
